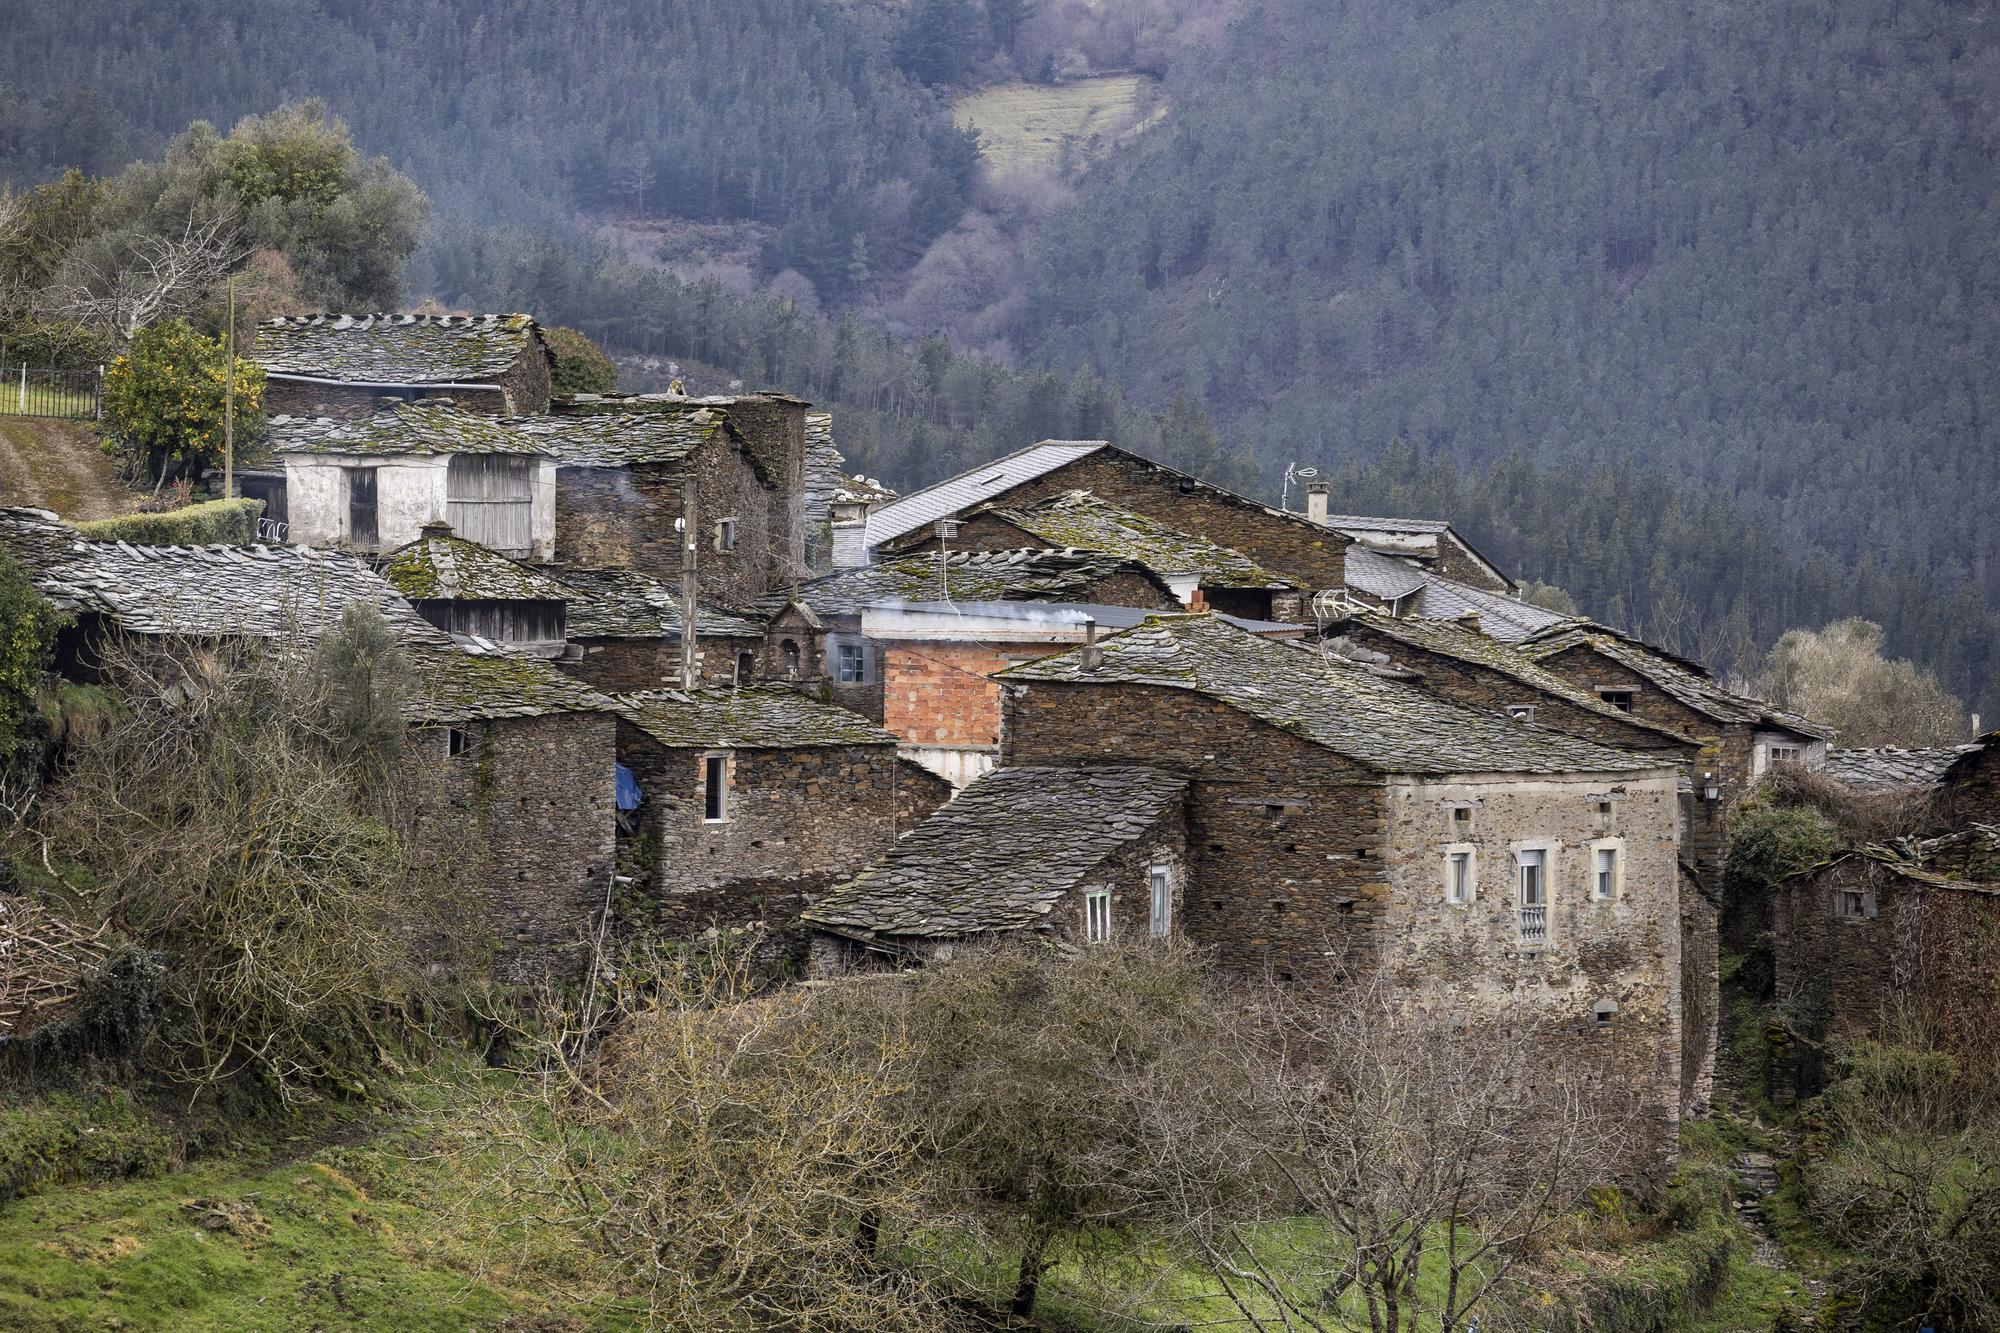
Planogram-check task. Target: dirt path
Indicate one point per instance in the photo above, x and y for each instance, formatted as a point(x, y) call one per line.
point(57, 465)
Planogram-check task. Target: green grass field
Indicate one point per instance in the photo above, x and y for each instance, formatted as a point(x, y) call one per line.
point(1029, 124)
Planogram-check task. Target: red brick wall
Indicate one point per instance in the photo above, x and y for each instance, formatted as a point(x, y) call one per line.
point(941, 694)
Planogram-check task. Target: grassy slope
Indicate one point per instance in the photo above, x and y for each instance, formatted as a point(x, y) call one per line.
point(57, 465)
point(1027, 124)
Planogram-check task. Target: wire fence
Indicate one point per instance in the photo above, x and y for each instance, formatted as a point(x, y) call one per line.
point(75, 395)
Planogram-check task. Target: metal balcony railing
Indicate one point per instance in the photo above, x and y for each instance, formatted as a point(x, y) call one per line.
point(1534, 925)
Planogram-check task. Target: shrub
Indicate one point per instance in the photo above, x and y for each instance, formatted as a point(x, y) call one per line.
point(67, 1137)
point(581, 366)
point(165, 397)
point(229, 522)
point(28, 625)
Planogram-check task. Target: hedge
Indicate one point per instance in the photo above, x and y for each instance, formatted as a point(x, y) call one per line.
point(232, 522)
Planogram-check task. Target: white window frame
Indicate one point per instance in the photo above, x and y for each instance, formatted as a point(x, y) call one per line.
point(720, 763)
point(840, 652)
point(1616, 847)
point(1097, 916)
point(1452, 852)
point(1159, 900)
point(1546, 851)
point(1780, 753)
point(1521, 712)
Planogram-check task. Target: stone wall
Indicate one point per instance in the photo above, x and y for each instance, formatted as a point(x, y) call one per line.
point(1974, 794)
point(1454, 561)
point(1624, 952)
point(1701, 995)
point(1285, 839)
point(625, 666)
point(1292, 546)
point(533, 803)
point(798, 820)
point(528, 383)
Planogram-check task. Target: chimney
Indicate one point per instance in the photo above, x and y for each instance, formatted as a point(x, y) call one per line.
point(1316, 493)
point(1092, 657)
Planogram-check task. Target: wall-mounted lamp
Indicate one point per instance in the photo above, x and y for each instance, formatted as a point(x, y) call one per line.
point(1710, 791)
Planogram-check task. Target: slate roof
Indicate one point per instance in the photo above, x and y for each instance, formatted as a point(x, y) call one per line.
point(1381, 576)
point(1358, 523)
point(289, 593)
point(1691, 687)
point(454, 685)
point(1500, 615)
point(1451, 639)
point(969, 576)
point(441, 565)
point(626, 604)
point(1887, 768)
point(962, 492)
point(624, 439)
point(769, 717)
point(394, 350)
point(408, 428)
point(1967, 861)
point(1002, 853)
point(1084, 519)
point(200, 591)
point(1384, 725)
point(1966, 758)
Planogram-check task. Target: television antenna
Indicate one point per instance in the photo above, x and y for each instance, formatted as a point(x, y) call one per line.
point(1294, 473)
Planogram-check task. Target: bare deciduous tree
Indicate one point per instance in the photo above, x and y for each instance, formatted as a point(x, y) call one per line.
point(1840, 676)
point(1426, 1151)
point(119, 285)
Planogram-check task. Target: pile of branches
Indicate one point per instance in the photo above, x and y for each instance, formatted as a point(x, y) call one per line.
point(46, 964)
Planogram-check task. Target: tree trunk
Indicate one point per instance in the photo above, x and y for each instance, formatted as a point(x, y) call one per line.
point(868, 1233)
point(1029, 1281)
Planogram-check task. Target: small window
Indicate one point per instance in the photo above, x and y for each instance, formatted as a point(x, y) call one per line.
point(1604, 886)
point(746, 667)
point(1461, 818)
point(715, 788)
point(1604, 1011)
point(1458, 878)
point(850, 664)
point(1097, 916)
point(1160, 887)
point(1851, 905)
point(725, 534)
point(1521, 712)
point(790, 648)
point(1534, 892)
point(457, 741)
point(1785, 754)
point(1619, 699)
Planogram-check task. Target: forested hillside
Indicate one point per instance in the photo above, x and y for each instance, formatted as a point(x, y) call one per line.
point(1747, 244)
point(1744, 250)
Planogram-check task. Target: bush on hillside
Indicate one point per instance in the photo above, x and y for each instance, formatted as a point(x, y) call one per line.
point(226, 522)
point(28, 625)
point(165, 398)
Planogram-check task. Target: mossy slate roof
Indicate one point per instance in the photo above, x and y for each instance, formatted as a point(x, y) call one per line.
point(439, 565)
point(1448, 638)
point(394, 349)
point(408, 428)
point(1888, 768)
point(768, 717)
point(970, 576)
point(285, 593)
point(626, 604)
point(1384, 725)
point(1686, 684)
point(1086, 520)
point(1003, 853)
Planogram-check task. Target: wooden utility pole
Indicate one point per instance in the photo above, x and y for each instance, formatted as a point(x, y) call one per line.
point(688, 585)
point(229, 398)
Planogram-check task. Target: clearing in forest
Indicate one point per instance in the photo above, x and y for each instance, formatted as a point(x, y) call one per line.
point(1030, 124)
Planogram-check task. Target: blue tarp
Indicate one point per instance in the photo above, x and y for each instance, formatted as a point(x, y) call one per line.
point(629, 794)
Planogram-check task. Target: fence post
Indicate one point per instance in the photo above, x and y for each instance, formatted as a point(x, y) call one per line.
point(24, 387)
point(99, 404)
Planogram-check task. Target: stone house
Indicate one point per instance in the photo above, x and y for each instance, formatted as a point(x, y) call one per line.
point(1889, 769)
point(1074, 854)
point(628, 465)
point(1968, 791)
point(369, 483)
point(912, 643)
point(1740, 737)
point(755, 799)
point(474, 593)
point(1404, 587)
point(1201, 574)
point(624, 634)
point(1898, 942)
point(344, 365)
point(506, 747)
point(1339, 821)
point(1297, 548)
